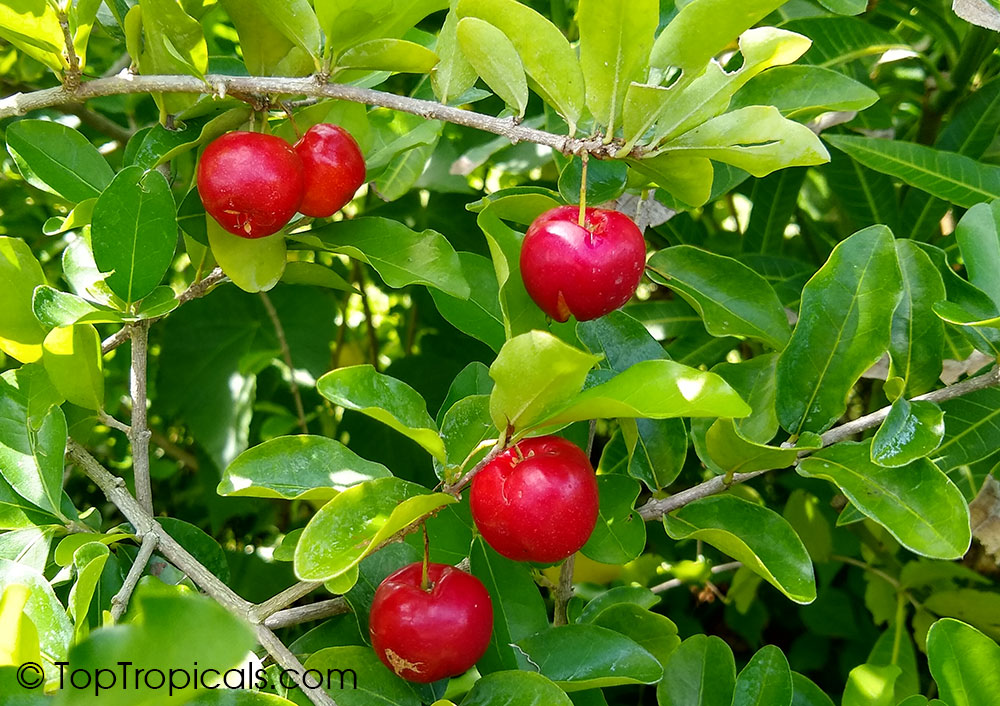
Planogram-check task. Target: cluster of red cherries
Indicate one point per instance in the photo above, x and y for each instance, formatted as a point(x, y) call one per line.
point(252, 184)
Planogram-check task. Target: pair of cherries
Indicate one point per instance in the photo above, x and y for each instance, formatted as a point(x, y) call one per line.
point(536, 501)
point(252, 184)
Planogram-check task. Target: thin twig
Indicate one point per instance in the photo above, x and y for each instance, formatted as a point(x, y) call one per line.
point(119, 602)
point(674, 583)
point(21, 103)
point(307, 613)
point(457, 487)
point(286, 354)
point(139, 431)
point(109, 421)
point(71, 79)
point(564, 591)
point(359, 277)
point(260, 612)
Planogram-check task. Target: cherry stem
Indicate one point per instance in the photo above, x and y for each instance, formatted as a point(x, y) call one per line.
point(425, 581)
point(583, 190)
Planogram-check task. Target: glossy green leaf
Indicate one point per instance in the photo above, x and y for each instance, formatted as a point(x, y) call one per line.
point(54, 308)
point(807, 693)
point(400, 256)
point(975, 607)
point(837, 40)
point(620, 533)
point(473, 379)
point(518, 608)
point(655, 633)
point(32, 442)
point(316, 275)
point(802, 92)
point(754, 380)
point(18, 513)
point(480, 315)
point(68, 545)
point(89, 562)
point(173, 42)
point(686, 178)
point(971, 428)
point(371, 682)
point(978, 237)
point(33, 27)
point(843, 328)
point(753, 534)
point(701, 672)
point(654, 389)
point(386, 399)
point(535, 373)
point(606, 180)
point(453, 75)
point(389, 55)
point(58, 159)
point(616, 37)
point(917, 344)
point(20, 635)
point(161, 145)
point(964, 663)
point(297, 467)
point(734, 454)
point(911, 431)
point(253, 265)
point(135, 232)
point(55, 630)
point(866, 196)
point(276, 39)
point(515, 688)
point(21, 335)
point(348, 22)
point(949, 176)
point(871, 685)
point(466, 426)
point(495, 59)
point(354, 523)
point(73, 362)
point(765, 681)
point(756, 139)
point(917, 503)
point(776, 199)
point(578, 657)
point(548, 59)
point(732, 299)
point(78, 218)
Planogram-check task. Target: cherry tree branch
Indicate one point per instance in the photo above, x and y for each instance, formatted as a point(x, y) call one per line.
point(214, 84)
point(286, 355)
point(138, 433)
point(308, 613)
point(119, 602)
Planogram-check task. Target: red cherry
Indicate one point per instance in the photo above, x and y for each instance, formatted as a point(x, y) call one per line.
point(250, 183)
point(537, 501)
point(586, 271)
point(423, 635)
point(334, 169)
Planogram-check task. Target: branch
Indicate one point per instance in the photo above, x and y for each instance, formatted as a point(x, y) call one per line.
point(564, 591)
point(262, 611)
point(307, 613)
point(286, 354)
point(656, 509)
point(674, 583)
point(119, 602)
point(72, 77)
point(21, 103)
point(138, 429)
point(144, 524)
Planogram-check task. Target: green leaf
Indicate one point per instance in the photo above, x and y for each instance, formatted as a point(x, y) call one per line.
point(254, 265)
point(734, 454)
point(161, 145)
point(897, 648)
point(776, 200)
point(18, 513)
point(837, 40)
point(465, 426)
point(389, 55)
point(213, 637)
point(21, 335)
point(518, 608)
point(548, 59)
point(620, 533)
point(297, 468)
point(965, 663)
point(276, 39)
point(732, 299)
point(616, 37)
point(78, 218)
point(917, 344)
point(578, 657)
point(347, 22)
point(754, 380)
point(492, 55)
point(199, 544)
point(632, 595)
point(701, 672)
point(845, 7)
point(55, 630)
point(765, 681)
point(843, 329)
point(371, 683)
point(237, 697)
point(911, 431)
point(803, 92)
point(655, 633)
point(953, 177)
point(978, 237)
point(89, 562)
point(654, 389)
point(688, 179)
point(534, 374)
point(515, 688)
point(19, 633)
point(173, 42)
point(473, 379)
point(316, 275)
point(606, 180)
point(400, 256)
point(354, 523)
point(971, 428)
point(58, 159)
point(135, 232)
point(31, 447)
point(453, 75)
point(386, 399)
point(68, 545)
point(480, 315)
point(695, 98)
point(73, 362)
point(871, 685)
point(917, 504)
point(54, 308)
point(865, 195)
point(750, 533)
point(807, 693)
point(33, 27)
point(756, 139)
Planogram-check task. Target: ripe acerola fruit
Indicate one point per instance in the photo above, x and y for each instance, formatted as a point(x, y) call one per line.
point(536, 501)
point(587, 271)
point(250, 183)
point(426, 635)
point(334, 169)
